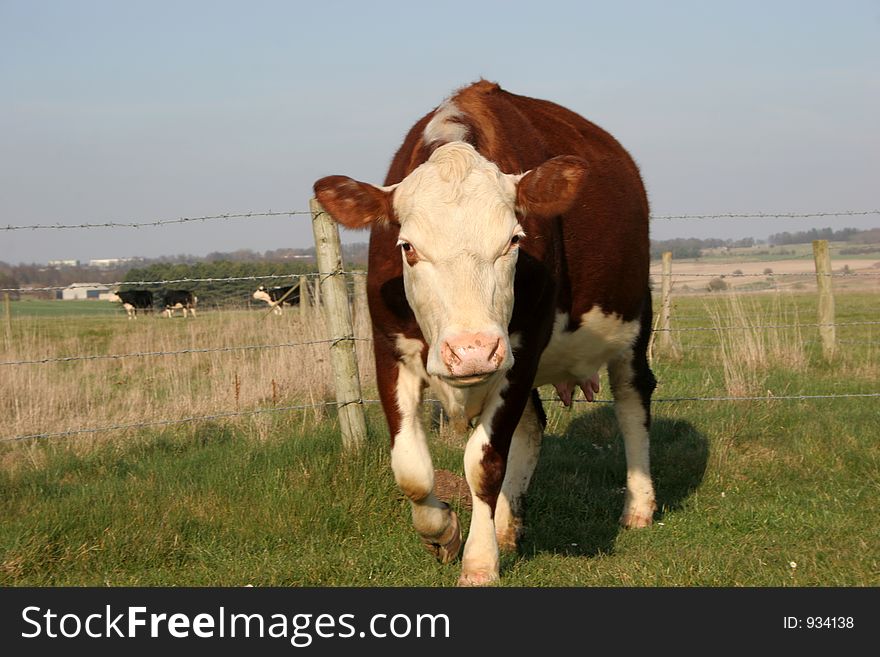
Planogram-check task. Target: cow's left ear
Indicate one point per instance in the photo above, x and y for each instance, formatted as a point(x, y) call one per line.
point(552, 188)
point(354, 204)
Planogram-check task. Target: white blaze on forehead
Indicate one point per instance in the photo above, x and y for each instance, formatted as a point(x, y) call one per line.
point(443, 126)
point(457, 200)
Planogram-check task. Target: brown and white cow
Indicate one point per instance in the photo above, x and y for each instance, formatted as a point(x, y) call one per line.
point(509, 250)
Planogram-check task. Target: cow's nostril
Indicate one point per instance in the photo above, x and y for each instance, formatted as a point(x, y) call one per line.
point(449, 356)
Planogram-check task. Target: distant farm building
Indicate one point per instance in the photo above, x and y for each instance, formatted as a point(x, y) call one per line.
point(79, 291)
point(109, 263)
point(64, 263)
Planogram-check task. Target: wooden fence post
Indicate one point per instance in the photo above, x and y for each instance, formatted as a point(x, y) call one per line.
point(361, 312)
point(304, 297)
point(826, 298)
point(7, 312)
point(665, 300)
point(342, 353)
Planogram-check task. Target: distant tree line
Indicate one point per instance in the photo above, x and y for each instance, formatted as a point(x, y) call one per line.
point(270, 262)
point(807, 236)
point(691, 247)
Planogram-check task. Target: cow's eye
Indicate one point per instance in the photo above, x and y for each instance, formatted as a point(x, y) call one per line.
point(409, 252)
point(513, 244)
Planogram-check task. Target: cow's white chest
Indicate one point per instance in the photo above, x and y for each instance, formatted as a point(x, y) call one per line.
point(577, 355)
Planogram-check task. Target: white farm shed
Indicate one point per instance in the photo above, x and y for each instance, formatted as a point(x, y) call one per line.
point(84, 291)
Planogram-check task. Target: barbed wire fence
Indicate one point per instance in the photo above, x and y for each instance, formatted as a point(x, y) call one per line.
point(291, 213)
point(348, 338)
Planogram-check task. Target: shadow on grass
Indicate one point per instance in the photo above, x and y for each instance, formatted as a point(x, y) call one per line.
point(576, 495)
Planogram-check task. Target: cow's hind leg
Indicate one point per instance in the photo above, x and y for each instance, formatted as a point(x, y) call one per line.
point(525, 447)
point(632, 384)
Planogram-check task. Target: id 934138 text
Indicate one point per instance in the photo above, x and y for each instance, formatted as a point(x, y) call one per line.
point(818, 622)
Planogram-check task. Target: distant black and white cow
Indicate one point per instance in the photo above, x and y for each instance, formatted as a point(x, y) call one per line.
point(278, 296)
point(180, 300)
point(509, 250)
point(134, 300)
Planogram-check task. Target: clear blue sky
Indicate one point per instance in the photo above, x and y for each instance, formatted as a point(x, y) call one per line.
point(139, 111)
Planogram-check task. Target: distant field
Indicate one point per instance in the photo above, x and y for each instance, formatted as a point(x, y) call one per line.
point(751, 493)
point(58, 308)
point(753, 269)
point(765, 253)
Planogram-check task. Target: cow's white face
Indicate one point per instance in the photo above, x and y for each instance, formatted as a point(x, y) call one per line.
point(459, 243)
point(262, 295)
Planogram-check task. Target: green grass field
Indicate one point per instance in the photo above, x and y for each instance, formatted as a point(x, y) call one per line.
point(766, 493)
point(86, 308)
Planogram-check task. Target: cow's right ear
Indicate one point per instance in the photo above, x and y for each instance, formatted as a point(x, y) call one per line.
point(355, 204)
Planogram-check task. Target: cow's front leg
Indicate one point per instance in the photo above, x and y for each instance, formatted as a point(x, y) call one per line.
point(413, 470)
point(479, 563)
point(485, 464)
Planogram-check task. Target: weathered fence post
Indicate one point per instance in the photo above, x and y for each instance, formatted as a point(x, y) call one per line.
point(666, 300)
point(304, 297)
point(7, 313)
point(317, 295)
point(342, 353)
point(361, 313)
point(826, 298)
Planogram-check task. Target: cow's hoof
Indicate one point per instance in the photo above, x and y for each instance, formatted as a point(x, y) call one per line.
point(478, 578)
point(637, 518)
point(635, 521)
point(446, 547)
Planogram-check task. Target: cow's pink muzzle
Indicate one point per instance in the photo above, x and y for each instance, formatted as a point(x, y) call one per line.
point(471, 357)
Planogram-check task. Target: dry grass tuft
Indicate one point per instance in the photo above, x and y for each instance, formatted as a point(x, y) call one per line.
point(756, 343)
point(63, 396)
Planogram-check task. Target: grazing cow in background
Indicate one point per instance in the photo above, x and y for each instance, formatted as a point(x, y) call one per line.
point(509, 250)
point(180, 300)
point(278, 296)
point(134, 300)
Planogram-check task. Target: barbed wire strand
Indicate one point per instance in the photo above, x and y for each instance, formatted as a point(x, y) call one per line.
point(237, 279)
point(287, 213)
point(206, 350)
point(176, 281)
point(231, 414)
point(161, 222)
point(762, 326)
point(768, 215)
point(664, 400)
point(833, 274)
point(157, 423)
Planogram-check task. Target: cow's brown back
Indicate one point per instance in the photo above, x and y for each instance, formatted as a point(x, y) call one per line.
point(597, 255)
